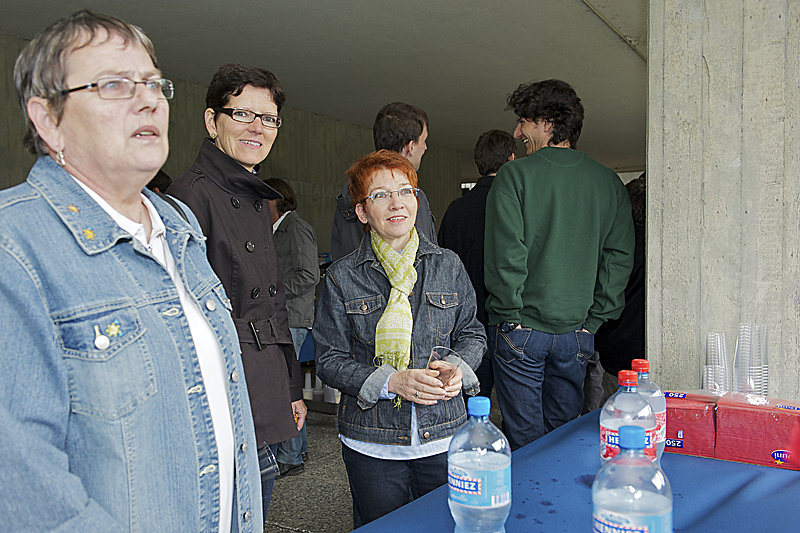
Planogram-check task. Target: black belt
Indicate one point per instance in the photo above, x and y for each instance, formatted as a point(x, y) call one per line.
point(258, 332)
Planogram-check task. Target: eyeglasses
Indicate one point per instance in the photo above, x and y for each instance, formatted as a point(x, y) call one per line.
point(382, 197)
point(246, 116)
point(119, 88)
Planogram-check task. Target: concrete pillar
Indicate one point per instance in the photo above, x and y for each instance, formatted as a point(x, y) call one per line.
point(723, 183)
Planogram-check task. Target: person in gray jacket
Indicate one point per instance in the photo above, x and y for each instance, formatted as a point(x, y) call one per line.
point(382, 310)
point(296, 247)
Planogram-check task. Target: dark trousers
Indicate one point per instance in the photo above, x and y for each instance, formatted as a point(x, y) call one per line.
point(484, 371)
point(379, 486)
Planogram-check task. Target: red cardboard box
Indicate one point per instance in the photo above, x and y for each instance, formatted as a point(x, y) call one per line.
point(690, 422)
point(756, 429)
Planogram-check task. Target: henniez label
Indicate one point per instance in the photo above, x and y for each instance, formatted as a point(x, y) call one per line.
point(480, 488)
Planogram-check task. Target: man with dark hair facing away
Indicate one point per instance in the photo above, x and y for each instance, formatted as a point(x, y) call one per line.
point(462, 229)
point(558, 253)
point(402, 128)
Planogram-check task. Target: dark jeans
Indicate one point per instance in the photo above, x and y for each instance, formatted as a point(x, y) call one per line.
point(539, 380)
point(379, 486)
point(269, 469)
point(484, 371)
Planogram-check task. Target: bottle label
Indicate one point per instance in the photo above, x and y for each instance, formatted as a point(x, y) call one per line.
point(604, 521)
point(609, 442)
point(480, 488)
point(661, 426)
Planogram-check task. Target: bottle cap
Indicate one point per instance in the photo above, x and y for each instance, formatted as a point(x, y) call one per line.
point(479, 406)
point(631, 437)
point(629, 378)
point(640, 365)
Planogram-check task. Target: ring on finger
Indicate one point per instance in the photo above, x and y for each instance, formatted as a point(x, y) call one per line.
point(416, 394)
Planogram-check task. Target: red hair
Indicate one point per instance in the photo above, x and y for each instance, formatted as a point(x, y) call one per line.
point(362, 172)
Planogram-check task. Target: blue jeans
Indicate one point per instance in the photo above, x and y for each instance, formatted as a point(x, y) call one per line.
point(290, 451)
point(539, 380)
point(269, 470)
point(379, 486)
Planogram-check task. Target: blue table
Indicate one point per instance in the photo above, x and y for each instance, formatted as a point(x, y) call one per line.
point(551, 490)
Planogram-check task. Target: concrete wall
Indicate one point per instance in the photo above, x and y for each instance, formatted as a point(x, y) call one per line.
point(312, 151)
point(723, 193)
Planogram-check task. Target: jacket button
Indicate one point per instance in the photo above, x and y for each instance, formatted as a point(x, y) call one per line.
point(364, 307)
point(235, 202)
point(442, 300)
point(258, 205)
point(273, 290)
point(235, 376)
point(247, 516)
point(255, 293)
point(250, 246)
point(243, 447)
point(426, 435)
point(210, 305)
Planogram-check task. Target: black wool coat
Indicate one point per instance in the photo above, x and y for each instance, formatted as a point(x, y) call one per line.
point(232, 207)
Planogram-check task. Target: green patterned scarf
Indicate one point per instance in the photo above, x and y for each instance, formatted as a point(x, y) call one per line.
point(393, 332)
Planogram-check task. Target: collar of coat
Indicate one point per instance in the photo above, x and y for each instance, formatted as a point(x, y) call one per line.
point(229, 175)
point(364, 252)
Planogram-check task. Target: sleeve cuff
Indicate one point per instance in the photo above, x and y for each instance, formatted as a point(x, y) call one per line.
point(371, 390)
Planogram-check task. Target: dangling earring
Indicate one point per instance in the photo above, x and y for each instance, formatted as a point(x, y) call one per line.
point(60, 158)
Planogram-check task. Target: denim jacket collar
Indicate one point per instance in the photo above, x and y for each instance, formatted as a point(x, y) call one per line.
point(365, 253)
point(90, 226)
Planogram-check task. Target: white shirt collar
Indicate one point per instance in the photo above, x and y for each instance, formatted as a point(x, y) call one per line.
point(278, 222)
point(134, 228)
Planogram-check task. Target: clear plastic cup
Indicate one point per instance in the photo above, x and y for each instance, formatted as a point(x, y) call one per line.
point(716, 370)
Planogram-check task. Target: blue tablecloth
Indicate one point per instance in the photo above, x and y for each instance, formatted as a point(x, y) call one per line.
point(552, 491)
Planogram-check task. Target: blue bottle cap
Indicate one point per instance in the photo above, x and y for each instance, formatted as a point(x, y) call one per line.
point(479, 406)
point(631, 437)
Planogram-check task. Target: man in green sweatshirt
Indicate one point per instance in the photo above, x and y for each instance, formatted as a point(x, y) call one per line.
point(558, 252)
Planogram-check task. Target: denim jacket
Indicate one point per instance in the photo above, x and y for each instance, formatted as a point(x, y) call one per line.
point(112, 433)
point(352, 300)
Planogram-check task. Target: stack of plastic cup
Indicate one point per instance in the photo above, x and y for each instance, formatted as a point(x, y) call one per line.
point(716, 371)
point(750, 365)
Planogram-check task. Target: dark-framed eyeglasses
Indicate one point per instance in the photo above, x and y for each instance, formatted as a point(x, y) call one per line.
point(247, 117)
point(382, 197)
point(120, 88)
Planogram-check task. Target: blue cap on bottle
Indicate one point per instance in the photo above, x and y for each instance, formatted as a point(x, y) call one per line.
point(631, 437)
point(479, 406)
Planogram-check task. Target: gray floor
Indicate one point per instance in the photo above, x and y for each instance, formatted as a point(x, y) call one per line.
point(318, 500)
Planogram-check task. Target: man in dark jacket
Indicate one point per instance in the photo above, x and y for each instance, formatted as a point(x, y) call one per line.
point(400, 128)
point(462, 230)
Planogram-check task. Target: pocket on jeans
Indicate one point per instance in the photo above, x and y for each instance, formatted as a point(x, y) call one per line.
point(585, 341)
point(510, 346)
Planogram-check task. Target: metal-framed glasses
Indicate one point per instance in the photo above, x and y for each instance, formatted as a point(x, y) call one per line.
point(120, 88)
point(247, 117)
point(382, 197)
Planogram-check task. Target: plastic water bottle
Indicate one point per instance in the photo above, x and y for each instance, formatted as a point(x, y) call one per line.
point(630, 493)
point(479, 473)
point(626, 407)
point(655, 397)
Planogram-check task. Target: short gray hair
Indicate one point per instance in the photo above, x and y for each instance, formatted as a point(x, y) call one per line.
point(39, 69)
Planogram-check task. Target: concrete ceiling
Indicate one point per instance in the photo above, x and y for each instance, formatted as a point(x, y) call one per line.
point(456, 59)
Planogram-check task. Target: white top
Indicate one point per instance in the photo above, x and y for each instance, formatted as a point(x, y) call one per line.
point(209, 352)
point(278, 222)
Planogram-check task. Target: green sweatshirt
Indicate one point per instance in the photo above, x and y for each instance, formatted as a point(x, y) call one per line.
point(559, 242)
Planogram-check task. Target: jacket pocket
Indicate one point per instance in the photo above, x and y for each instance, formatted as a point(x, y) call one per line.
point(364, 314)
point(109, 367)
point(442, 307)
